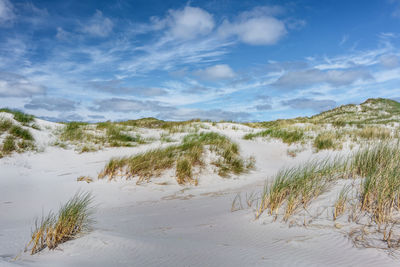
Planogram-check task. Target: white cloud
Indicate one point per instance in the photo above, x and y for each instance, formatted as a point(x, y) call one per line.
point(6, 12)
point(212, 114)
point(190, 22)
point(98, 25)
point(396, 10)
point(389, 61)
point(256, 27)
point(129, 105)
point(344, 39)
point(309, 77)
point(387, 75)
point(217, 72)
point(51, 104)
point(13, 85)
point(63, 34)
point(307, 103)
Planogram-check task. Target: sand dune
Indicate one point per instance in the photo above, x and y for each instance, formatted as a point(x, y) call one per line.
point(170, 225)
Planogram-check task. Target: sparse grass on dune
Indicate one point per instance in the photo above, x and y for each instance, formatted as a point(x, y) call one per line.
point(19, 116)
point(287, 136)
point(9, 145)
point(5, 125)
point(376, 198)
point(17, 139)
point(327, 140)
point(73, 219)
point(340, 203)
point(183, 157)
point(380, 192)
point(297, 186)
point(73, 131)
point(20, 132)
point(110, 134)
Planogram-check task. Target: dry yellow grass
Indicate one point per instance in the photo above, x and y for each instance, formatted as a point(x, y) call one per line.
point(73, 219)
point(86, 179)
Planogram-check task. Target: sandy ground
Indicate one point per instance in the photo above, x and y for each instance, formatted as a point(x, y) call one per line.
point(163, 225)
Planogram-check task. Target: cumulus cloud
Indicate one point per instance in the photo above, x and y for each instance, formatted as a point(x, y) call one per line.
point(190, 22)
point(51, 104)
point(6, 12)
point(98, 25)
point(215, 73)
point(309, 77)
point(389, 61)
point(306, 103)
point(14, 85)
point(129, 105)
point(257, 27)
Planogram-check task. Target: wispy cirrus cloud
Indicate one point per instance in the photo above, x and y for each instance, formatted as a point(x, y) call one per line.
point(7, 14)
point(310, 77)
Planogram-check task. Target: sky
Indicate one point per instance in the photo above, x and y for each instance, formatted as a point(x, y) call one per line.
point(178, 60)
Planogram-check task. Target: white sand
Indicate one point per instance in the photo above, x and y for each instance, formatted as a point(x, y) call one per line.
point(162, 225)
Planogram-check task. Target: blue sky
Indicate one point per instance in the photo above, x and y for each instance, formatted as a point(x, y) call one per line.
point(177, 60)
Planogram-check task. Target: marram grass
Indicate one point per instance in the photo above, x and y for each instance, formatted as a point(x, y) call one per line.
point(182, 157)
point(376, 198)
point(296, 187)
point(72, 220)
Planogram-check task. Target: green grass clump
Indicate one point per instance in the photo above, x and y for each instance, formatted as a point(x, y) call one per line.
point(376, 202)
point(297, 186)
point(183, 156)
point(107, 133)
point(5, 125)
point(184, 171)
point(287, 136)
point(116, 134)
point(23, 118)
point(73, 219)
point(380, 166)
point(9, 145)
point(73, 131)
point(324, 141)
point(18, 138)
point(20, 132)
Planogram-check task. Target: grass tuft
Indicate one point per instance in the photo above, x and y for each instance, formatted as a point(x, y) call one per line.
point(340, 203)
point(183, 157)
point(73, 219)
point(324, 141)
point(9, 145)
point(287, 136)
point(20, 132)
point(298, 186)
